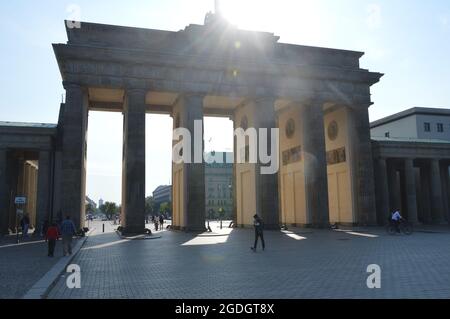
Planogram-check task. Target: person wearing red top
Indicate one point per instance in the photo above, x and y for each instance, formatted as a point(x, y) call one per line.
point(51, 237)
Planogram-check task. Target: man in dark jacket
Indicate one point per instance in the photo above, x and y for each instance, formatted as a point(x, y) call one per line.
point(259, 232)
point(25, 224)
point(68, 230)
point(161, 222)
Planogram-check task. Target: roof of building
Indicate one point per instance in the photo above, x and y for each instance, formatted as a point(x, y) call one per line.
point(162, 187)
point(24, 124)
point(410, 140)
point(410, 112)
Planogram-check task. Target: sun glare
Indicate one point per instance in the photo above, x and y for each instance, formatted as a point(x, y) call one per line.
point(298, 20)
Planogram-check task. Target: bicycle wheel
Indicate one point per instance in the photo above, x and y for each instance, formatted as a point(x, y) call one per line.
point(407, 229)
point(390, 229)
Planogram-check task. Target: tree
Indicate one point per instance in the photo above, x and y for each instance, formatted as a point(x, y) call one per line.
point(109, 209)
point(165, 208)
point(90, 209)
point(149, 205)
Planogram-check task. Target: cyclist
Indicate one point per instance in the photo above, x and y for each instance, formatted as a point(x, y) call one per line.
point(396, 218)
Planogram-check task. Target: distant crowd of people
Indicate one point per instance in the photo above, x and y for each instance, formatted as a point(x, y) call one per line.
point(157, 221)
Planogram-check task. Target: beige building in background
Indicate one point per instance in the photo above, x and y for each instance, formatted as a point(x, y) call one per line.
point(219, 185)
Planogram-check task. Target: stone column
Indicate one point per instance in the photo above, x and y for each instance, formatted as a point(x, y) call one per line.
point(33, 194)
point(189, 175)
point(394, 189)
point(315, 163)
point(359, 131)
point(235, 209)
point(267, 182)
point(425, 193)
point(411, 198)
point(133, 165)
point(43, 190)
point(74, 144)
point(437, 210)
point(383, 189)
point(445, 201)
point(4, 193)
point(194, 172)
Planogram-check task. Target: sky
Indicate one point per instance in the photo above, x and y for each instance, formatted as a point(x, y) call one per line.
point(407, 40)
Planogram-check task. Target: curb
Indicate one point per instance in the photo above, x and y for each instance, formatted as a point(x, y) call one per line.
point(41, 288)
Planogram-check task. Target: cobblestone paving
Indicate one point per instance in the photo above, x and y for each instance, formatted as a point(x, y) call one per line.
point(22, 265)
point(301, 264)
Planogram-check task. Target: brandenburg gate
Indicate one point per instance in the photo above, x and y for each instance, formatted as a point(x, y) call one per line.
point(317, 97)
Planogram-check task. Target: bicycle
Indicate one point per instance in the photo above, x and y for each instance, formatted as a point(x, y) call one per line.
point(404, 226)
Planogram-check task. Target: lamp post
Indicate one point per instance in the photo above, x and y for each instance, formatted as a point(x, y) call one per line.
point(221, 211)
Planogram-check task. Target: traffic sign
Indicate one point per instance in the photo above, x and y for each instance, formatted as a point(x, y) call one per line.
point(20, 200)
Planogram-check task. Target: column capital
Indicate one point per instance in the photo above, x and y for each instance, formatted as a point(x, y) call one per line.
point(358, 106)
point(136, 90)
point(71, 85)
point(193, 95)
point(315, 100)
point(261, 99)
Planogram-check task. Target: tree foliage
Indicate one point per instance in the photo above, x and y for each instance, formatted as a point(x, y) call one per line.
point(109, 209)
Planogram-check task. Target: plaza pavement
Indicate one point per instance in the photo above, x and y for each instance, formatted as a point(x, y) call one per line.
point(296, 264)
point(23, 265)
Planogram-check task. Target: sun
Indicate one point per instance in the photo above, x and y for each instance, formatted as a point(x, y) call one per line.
point(248, 14)
point(298, 21)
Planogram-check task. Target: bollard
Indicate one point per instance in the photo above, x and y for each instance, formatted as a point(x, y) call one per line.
point(103, 227)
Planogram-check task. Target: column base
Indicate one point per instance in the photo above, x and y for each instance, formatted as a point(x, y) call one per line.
point(272, 227)
point(134, 230)
point(194, 229)
point(321, 226)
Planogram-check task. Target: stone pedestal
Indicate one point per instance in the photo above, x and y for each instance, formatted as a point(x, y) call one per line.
point(74, 144)
point(363, 164)
point(43, 190)
point(4, 193)
point(133, 169)
point(315, 164)
point(411, 198)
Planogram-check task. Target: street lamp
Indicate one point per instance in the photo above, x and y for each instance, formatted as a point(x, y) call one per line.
point(209, 218)
point(221, 211)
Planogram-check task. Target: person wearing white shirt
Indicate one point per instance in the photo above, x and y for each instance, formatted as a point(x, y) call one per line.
point(396, 218)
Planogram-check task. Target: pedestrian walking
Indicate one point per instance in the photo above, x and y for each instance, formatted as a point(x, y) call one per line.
point(25, 224)
point(51, 236)
point(45, 226)
point(67, 232)
point(259, 232)
point(161, 222)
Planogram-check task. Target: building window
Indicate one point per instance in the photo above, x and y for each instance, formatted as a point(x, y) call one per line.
point(440, 127)
point(427, 127)
point(387, 134)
